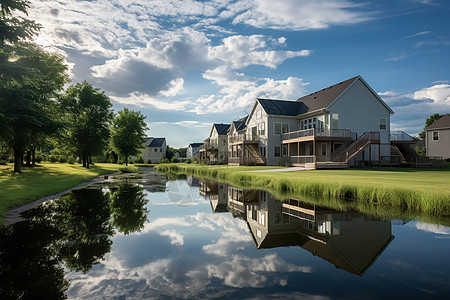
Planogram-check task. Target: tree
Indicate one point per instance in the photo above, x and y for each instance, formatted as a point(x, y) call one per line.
point(430, 120)
point(128, 208)
point(13, 29)
point(127, 133)
point(26, 97)
point(86, 112)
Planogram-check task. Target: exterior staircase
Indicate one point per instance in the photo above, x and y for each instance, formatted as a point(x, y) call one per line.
point(258, 159)
point(358, 146)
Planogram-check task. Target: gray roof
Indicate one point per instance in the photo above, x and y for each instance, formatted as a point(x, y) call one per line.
point(154, 142)
point(323, 98)
point(443, 122)
point(240, 124)
point(222, 129)
point(195, 145)
point(283, 107)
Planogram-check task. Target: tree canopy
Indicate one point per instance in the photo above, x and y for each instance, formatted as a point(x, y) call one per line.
point(127, 133)
point(86, 112)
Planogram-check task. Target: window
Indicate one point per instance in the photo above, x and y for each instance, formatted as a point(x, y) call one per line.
point(262, 151)
point(324, 149)
point(160, 150)
point(277, 128)
point(382, 123)
point(334, 121)
point(435, 135)
point(284, 128)
point(258, 114)
point(277, 150)
point(284, 149)
point(261, 129)
point(156, 150)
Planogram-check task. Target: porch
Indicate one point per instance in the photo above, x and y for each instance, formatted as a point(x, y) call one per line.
point(208, 153)
point(244, 151)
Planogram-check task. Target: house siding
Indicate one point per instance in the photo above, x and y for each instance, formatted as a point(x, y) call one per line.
point(360, 111)
point(440, 147)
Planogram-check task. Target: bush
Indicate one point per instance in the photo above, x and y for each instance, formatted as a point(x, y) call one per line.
point(149, 161)
point(174, 160)
point(38, 158)
point(131, 162)
point(129, 169)
point(52, 158)
point(71, 160)
point(62, 159)
point(3, 162)
point(140, 160)
point(188, 161)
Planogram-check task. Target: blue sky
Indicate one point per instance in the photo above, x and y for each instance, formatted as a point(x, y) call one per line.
point(187, 64)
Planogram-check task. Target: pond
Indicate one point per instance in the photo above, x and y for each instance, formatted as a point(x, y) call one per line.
point(185, 238)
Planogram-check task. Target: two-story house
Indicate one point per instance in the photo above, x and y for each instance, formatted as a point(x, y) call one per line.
point(154, 149)
point(215, 148)
point(342, 125)
point(192, 150)
point(437, 138)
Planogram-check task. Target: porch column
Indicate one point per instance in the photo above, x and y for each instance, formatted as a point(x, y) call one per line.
point(298, 152)
point(379, 154)
point(288, 152)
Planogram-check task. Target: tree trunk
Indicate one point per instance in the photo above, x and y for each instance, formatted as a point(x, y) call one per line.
point(87, 161)
point(33, 156)
point(17, 160)
point(126, 161)
point(28, 159)
point(83, 159)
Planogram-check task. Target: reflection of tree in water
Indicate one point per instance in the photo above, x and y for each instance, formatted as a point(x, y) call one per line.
point(29, 262)
point(128, 208)
point(84, 217)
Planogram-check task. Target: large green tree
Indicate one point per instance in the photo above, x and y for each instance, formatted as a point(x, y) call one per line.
point(127, 133)
point(15, 28)
point(86, 112)
point(27, 95)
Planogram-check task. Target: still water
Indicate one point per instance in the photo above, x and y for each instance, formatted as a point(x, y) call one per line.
point(154, 238)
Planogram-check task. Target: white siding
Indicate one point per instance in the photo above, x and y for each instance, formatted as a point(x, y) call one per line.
point(360, 111)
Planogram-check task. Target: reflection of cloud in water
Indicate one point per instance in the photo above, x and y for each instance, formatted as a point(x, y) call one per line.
point(437, 229)
point(180, 274)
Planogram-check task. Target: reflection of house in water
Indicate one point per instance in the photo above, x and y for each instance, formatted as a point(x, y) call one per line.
point(217, 194)
point(238, 199)
point(192, 181)
point(350, 241)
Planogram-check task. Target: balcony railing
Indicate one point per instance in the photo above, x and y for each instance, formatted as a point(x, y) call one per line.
point(401, 136)
point(332, 133)
point(243, 138)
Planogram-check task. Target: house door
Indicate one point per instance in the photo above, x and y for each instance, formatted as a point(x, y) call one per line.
point(254, 131)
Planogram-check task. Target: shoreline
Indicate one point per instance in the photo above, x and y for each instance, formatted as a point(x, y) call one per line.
point(14, 215)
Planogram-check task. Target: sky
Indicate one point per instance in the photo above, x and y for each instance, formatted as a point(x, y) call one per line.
point(187, 64)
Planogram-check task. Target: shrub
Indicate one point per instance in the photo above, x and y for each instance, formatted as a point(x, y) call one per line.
point(140, 160)
point(71, 160)
point(129, 169)
point(149, 161)
point(53, 158)
point(188, 161)
point(62, 159)
point(38, 158)
point(3, 162)
point(174, 160)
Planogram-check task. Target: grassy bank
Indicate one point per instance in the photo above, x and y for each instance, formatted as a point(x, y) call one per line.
point(43, 180)
point(423, 190)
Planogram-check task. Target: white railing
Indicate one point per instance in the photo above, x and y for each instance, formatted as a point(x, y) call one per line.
point(243, 138)
point(301, 159)
point(336, 133)
point(401, 136)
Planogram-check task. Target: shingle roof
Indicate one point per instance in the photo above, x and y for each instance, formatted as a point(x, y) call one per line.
point(282, 107)
point(323, 98)
point(443, 122)
point(157, 142)
point(195, 145)
point(221, 128)
point(240, 124)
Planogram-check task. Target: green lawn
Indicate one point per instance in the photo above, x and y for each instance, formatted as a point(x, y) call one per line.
point(417, 189)
point(43, 180)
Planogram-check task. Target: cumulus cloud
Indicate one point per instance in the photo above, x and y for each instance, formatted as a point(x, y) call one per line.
point(412, 109)
point(437, 229)
point(301, 14)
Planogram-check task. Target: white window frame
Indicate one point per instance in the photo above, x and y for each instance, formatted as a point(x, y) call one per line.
point(262, 128)
point(284, 126)
point(275, 128)
point(437, 135)
point(259, 114)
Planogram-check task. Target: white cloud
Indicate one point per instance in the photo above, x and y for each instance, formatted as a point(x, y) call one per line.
point(437, 229)
point(301, 14)
point(175, 237)
point(439, 93)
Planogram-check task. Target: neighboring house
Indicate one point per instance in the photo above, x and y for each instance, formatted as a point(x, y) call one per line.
point(192, 150)
point(155, 149)
point(215, 147)
point(342, 125)
point(437, 138)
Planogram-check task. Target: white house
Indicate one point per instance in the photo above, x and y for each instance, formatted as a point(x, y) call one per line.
point(341, 125)
point(215, 147)
point(154, 149)
point(437, 138)
point(192, 150)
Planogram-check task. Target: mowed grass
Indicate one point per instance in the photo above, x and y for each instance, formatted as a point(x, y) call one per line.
point(426, 190)
point(43, 180)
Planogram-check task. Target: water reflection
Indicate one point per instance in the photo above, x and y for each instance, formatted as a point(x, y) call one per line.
point(73, 232)
point(349, 240)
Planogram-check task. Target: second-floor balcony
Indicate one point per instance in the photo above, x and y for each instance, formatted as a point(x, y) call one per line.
point(243, 139)
point(323, 134)
point(209, 145)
